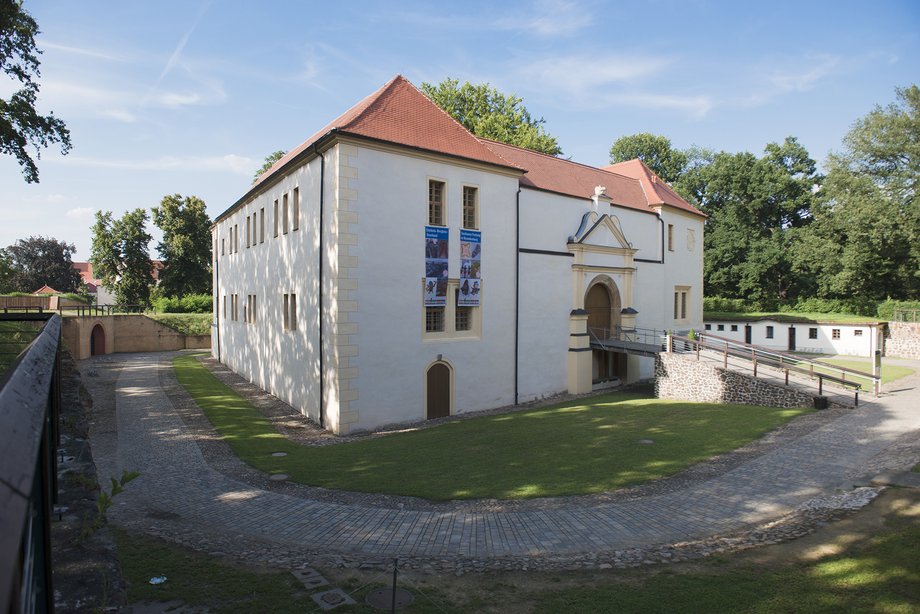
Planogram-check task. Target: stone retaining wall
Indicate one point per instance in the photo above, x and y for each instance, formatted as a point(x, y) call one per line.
point(683, 377)
point(903, 340)
point(127, 333)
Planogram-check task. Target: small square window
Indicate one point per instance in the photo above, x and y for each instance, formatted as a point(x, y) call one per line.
point(835, 333)
point(720, 327)
point(434, 319)
point(709, 327)
point(857, 332)
point(769, 332)
point(464, 319)
point(812, 333)
point(734, 328)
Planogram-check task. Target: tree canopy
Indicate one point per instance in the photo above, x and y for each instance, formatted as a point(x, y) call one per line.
point(120, 258)
point(38, 261)
point(655, 150)
point(866, 237)
point(270, 159)
point(186, 246)
point(20, 125)
point(487, 112)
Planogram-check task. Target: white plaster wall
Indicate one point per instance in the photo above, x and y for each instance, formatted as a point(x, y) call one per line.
point(682, 267)
point(285, 363)
point(392, 193)
point(849, 343)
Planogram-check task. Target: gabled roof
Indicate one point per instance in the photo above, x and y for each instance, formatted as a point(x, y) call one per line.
point(545, 172)
point(400, 113)
point(46, 289)
point(657, 191)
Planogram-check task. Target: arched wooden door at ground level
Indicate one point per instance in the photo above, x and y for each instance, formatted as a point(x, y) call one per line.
point(437, 403)
point(97, 341)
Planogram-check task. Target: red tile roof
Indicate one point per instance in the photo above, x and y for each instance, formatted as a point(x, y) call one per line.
point(658, 192)
point(400, 113)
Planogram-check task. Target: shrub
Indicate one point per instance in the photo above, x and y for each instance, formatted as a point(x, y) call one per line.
point(885, 310)
point(857, 306)
point(191, 303)
point(736, 305)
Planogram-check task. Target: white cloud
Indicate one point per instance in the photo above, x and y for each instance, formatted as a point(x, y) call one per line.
point(549, 18)
point(696, 106)
point(80, 212)
point(804, 75)
point(92, 53)
point(586, 74)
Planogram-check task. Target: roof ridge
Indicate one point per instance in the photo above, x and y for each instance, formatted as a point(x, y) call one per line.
point(558, 159)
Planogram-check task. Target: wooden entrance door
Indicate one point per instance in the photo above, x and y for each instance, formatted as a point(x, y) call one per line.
point(747, 334)
point(438, 384)
point(97, 341)
point(597, 304)
point(791, 339)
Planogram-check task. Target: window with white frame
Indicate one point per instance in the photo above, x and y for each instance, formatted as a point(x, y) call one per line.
point(470, 207)
point(835, 333)
point(452, 321)
point(436, 213)
point(434, 319)
point(812, 333)
point(858, 332)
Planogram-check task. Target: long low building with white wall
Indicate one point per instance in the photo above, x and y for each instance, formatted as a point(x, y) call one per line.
point(394, 267)
point(807, 336)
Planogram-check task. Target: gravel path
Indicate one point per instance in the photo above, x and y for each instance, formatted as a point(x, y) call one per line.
point(193, 491)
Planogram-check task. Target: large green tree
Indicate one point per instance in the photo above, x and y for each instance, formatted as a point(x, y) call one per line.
point(865, 242)
point(487, 112)
point(39, 261)
point(120, 257)
point(21, 127)
point(655, 150)
point(186, 246)
point(270, 160)
point(756, 208)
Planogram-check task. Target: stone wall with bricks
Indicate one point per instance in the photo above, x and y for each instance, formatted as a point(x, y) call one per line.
point(683, 377)
point(903, 340)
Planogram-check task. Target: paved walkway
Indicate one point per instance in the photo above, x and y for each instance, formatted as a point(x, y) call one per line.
point(176, 483)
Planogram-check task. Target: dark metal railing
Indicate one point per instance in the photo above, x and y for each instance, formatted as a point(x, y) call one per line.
point(782, 361)
point(647, 336)
point(30, 402)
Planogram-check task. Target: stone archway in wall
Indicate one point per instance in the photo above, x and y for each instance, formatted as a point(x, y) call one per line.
point(603, 304)
point(97, 340)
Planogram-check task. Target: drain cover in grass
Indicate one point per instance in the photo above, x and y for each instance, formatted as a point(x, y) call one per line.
point(278, 477)
point(382, 598)
point(279, 453)
point(646, 442)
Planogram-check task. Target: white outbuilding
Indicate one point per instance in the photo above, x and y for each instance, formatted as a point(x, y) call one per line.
point(394, 267)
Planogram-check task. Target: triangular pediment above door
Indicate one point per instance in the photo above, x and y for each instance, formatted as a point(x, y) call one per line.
point(601, 231)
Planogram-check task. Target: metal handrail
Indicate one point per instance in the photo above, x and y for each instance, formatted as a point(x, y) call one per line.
point(780, 360)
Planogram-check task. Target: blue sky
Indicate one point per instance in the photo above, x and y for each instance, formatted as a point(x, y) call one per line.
point(188, 97)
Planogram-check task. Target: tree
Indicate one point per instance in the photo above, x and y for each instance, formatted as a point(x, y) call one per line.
point(186, 246)
point(756, 207)
point(865, 241)
point(20, 125)
point(120, 258)
point(656, 151)
point(39, 261)
point(490, 114)
point(270, 159)
point(7, 274)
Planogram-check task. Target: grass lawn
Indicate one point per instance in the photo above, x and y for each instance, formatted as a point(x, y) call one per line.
point(788, 316)
point(186, 323)
point(585, 446)
point(890, 372)
point(881, 574)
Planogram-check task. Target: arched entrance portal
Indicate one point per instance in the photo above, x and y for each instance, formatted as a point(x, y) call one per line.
point(97, 341)
point(437, 385)
point(602, 302)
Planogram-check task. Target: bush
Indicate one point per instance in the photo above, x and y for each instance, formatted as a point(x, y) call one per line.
point(856, 306)
point(732, 305)
point(885, 310)
point(73, 296)
point(191, 303)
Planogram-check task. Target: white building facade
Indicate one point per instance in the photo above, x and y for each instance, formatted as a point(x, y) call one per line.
point(395, 268)
point(806, 336)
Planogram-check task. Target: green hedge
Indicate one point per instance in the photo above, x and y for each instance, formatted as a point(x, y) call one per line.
point(191, 303)
point(855, 306)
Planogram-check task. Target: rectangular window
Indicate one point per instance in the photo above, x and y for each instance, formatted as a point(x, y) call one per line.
point(709, 327)
point(769, 332)
point(470, 197)
point(285, 215)
point(236, 238)
point(221, 246)
point(276, 217)
point(285, 312)
point(295, 212)
point(225, 306)
point(734, 328)
point(812, 333)
point(248, 232)
point(835, 333)
point(463, 315)
point(262, 225)
point(683, 305)
point(436, 215)
point(434, 319)
point(676, 305)
point(857, 332)
point(290, 312)
point(720, 327)
point(670, 237)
